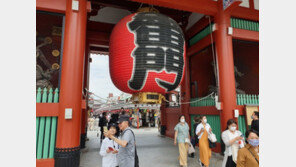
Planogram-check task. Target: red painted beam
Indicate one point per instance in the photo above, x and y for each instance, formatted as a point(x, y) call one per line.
point(97, 36)
point(100, 44)
point(47, 109)
point(207, 7)
point(45, 163)
point(206, 41)
point(99, 26)
point(204, 110)
point(245, 35)
point(241, 109)
point(245, 13)
point(198, 26)
point(55, 6)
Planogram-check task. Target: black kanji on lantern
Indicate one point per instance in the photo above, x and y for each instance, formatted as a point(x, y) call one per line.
point(159, 46)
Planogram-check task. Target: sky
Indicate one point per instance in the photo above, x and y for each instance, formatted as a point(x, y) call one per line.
point(100, 82)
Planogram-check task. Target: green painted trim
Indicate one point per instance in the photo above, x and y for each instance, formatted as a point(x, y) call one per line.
point(205, 102)
point(44, 96)
point(46, 138)
point(50, 96)
point(56, 95)
point(37, 130)
point(52, 137)
point(242, 124)
point(243, 99)
point(47, 96)
point(200, 35)
point(40, 137)
point(38, 98)
point(244, 24)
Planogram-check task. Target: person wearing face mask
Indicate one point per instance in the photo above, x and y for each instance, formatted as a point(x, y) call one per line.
point(255, 121)
point(202, 131)
point(249, 155)
point(181, 133)
point(232, 139)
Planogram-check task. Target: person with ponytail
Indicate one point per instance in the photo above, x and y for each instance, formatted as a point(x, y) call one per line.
point(233, 141)
point(181, 135)
point(202, 131)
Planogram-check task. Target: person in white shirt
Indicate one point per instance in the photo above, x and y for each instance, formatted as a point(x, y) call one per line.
point(109, 148)
point(202, 131)
point(233, 142)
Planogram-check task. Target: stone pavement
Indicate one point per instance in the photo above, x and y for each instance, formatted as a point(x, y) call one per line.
point(153, 151)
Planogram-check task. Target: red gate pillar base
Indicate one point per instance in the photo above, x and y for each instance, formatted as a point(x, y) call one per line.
point(67, 151)
point(224, 52)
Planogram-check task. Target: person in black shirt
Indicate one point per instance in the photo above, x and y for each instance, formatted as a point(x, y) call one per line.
point(103, 122)
point(194, 139)
point(255, 121)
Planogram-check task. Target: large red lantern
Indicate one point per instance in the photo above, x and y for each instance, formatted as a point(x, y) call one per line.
point(147, 53)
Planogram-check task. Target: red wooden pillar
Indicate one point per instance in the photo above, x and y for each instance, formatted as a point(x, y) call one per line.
point(67, 152)
point(224, 52)
point(185, 92)
point(84, 115)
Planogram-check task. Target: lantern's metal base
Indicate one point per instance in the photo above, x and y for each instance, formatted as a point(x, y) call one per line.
point(147, 98)
point(82, 140)
point(67, 157)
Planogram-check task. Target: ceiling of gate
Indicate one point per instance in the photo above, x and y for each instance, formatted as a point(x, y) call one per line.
point(112, 11)
point(106, 13)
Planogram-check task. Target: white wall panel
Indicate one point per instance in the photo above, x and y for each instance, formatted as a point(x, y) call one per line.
point(245, 3)
point(256, 4)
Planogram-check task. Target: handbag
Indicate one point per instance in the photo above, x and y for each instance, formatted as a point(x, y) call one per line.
point(212, 137)
point(191, 149)
point(187, 141)
point(212, 144)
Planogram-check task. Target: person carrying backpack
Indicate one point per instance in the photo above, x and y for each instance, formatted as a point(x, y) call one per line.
point(127, 154)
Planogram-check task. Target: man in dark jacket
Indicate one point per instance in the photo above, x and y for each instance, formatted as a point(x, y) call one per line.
point(103, 122)
point(255, 121)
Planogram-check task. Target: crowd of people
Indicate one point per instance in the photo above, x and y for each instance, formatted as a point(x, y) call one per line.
point(240, 150)
point(118, 143)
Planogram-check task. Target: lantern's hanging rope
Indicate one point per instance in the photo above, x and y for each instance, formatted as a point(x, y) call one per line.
point(88, 92)
point(214, 54)
point(210, 95)
point(140, 6)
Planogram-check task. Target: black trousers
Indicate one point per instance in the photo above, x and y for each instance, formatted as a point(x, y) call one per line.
point(102, 134)
point(230, 162)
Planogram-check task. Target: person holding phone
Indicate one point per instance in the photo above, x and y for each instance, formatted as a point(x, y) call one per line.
point(109, 148)
point(233, 141)
point(202, 131)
